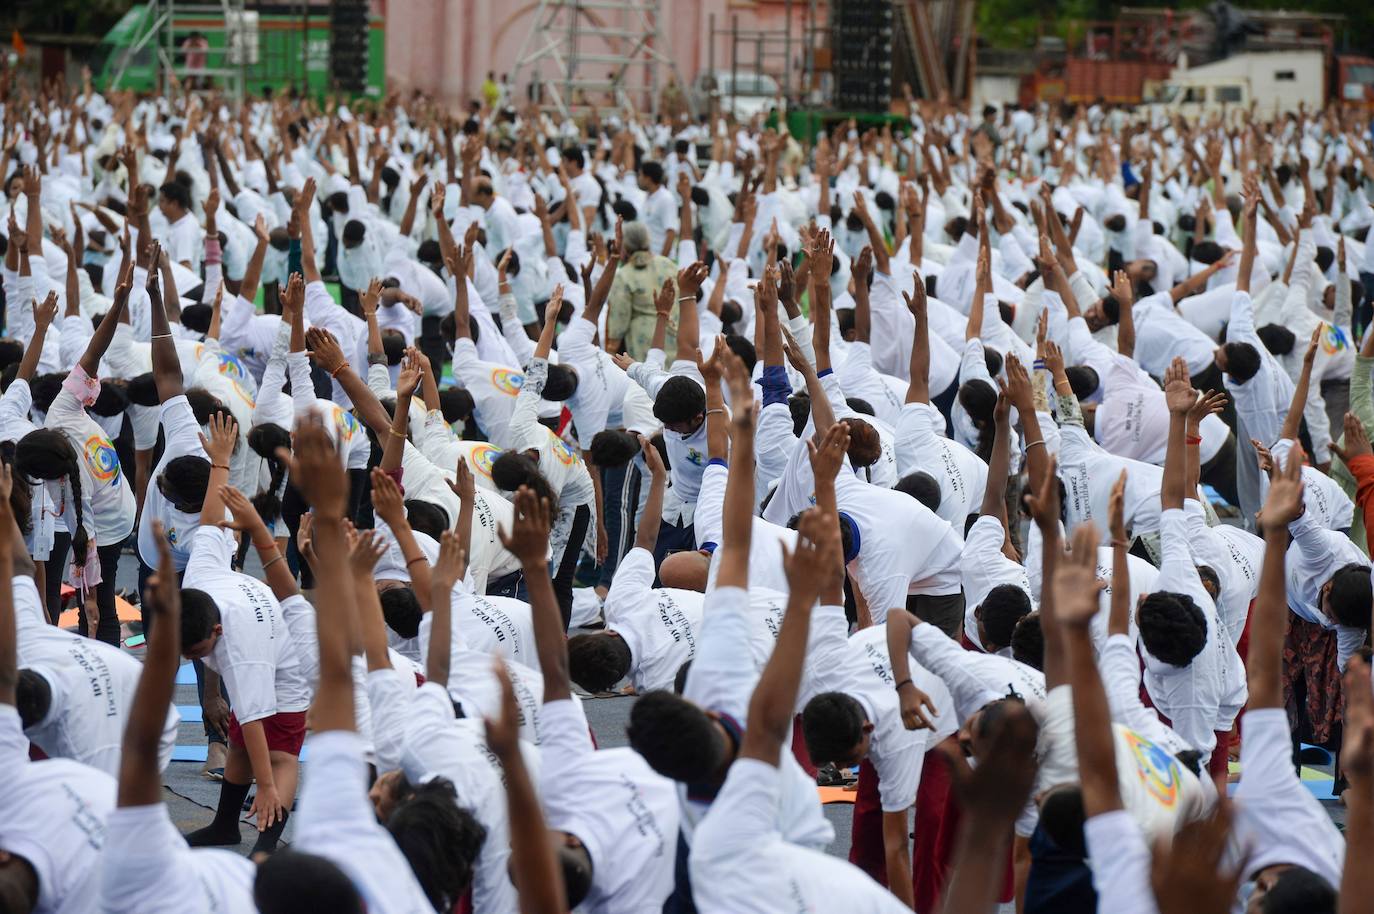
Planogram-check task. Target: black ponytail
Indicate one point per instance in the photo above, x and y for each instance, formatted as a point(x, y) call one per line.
point(264, 439)
point(47, 454)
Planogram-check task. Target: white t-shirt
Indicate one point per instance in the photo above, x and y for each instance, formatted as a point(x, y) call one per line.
point(983, 566)
point(765, 540)
point(605, 396)
point(859, 667)
point(495, 625)
point(1120, 861)
point(625, 814)
point(493, 387)
point(722, 680)
point(438, 745)
point(742, 865)
point(1277, 819)
point(53, 813)
point(257, 654)
point(103, 481)
point(658, 624)
point(148, 869)
point(335, 820)
point(962, 474)
point(181, 434)
point(903, 547)
point(1203, 697)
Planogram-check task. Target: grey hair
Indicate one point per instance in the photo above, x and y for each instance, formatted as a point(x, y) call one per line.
point(636, 237)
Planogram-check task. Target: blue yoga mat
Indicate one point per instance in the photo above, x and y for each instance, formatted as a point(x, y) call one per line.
point(186, 674)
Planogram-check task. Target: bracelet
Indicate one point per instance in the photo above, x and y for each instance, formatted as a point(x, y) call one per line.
point(418, 558)
point(898, 686)
point(271, 544)
point(219, 466)
point(715, 410)
point(1194, 440)
point(272, 561)
point(1122, 543)
point(335, 372)
point(1031, 444)
point(161, 336)
point(395, 434)
point(684, 298)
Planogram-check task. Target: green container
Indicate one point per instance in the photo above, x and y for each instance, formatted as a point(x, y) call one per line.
point(291, 51)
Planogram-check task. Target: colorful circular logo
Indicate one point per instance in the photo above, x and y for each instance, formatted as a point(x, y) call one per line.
point(101, 459)
point(346, 424)
point(231, 367)
point(482, 457)
point(1157, 769)
point(1333, 339)
point(565, 454)
point(507, 381)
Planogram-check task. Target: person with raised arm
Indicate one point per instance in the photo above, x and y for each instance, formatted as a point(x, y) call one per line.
point(997, 591)
point(335, 820)
point(230, 622)
point(53, 812)
point(613, 820)
point(1291, 850)
point(148, 866)
point(539, 458)
point(77, 460)
point(961, 480)
point(740, 860)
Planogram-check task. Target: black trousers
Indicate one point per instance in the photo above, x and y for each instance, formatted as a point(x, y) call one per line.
point(945, 612)
point(567, 567)
point(107, 628)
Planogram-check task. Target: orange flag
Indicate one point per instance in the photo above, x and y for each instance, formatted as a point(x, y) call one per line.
point(17, 42)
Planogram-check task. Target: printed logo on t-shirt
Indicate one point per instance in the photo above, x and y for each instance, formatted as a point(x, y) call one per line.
point(565, 454)
point(1158, 771)
point(482, 457)
point(695, 457)
point(507, 381)
point(346, 424)
point(1333, 339)
point(102, 460)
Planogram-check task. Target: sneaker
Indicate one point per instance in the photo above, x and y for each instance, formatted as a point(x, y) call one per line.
point(215, 757)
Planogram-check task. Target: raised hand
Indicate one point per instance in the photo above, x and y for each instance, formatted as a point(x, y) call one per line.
point(690, 278)
point(1356, 442)
point(1284, 503)
point(463, 485)
point(452, 563)
point(1076, 584)
point(224, 436)
point(324, 350)
point(45, 312)
point(245, 517)
point(365, 550)
point(863, 266)
point(1018, 388)
point(371, 296)
point(315, 469)
point(1116, 511)
point(828, 452)
point(410, 375)
point(528, 538)
point(387, 501)
point(1178, 391)
point(1043, 504)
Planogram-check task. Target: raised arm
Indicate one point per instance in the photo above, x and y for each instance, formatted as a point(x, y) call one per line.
point(43, 315)
point(1180, 398)
point(447, 572)
point(406, 383)
point(140, 781)
point(104, 332)
point(918, 387)
point(533, 867)
point(881, 260)
point(689, 280)
point(389, 505)
point(166, 364)
point(814, 569)
point(1292, 421)
point(737, 521)
point(318, 473)
point(1269, 618)
point(305, 198)
point(325, 351)
point(1075, 603)
point(528, 541)
point(245, 519)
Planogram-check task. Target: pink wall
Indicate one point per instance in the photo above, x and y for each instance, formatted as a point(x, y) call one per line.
point(446, 47)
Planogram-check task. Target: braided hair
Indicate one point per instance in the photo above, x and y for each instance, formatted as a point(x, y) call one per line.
point(46, 454)
point(264, 439)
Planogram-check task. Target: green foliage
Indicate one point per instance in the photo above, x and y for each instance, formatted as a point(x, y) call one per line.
point(91, 18)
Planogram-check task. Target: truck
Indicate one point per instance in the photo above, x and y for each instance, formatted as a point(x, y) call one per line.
point(1272, 80)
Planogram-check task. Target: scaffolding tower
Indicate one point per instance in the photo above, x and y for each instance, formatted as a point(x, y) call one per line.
point(603, 54)
point(231, 33)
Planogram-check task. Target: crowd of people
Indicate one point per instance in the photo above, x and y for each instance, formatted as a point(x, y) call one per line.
point(1009, 470)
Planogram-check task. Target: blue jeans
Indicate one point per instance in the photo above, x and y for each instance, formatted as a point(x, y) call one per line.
point(620, 488)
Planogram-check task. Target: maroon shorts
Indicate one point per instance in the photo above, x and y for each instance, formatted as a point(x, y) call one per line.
point(285, 731)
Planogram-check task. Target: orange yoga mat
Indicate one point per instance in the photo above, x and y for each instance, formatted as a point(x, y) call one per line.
point(126, 611)
point(836, 795)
